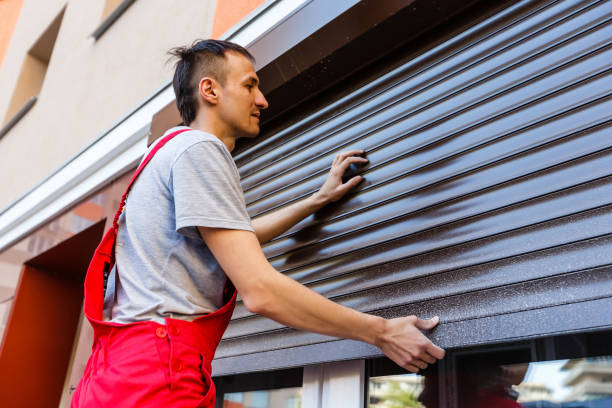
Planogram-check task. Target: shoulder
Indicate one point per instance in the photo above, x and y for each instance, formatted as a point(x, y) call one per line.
point(191, 137)
point(194, 144)
point(199, 153)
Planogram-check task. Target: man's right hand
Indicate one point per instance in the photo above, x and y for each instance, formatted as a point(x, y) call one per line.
point(402, 341)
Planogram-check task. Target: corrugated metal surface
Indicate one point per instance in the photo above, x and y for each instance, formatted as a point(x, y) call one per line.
point(488, 193)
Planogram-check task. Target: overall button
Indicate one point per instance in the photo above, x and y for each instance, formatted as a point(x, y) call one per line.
point(175, 331)
point(177, 365)
point(160, 332)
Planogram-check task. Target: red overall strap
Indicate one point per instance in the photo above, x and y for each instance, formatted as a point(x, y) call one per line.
point(158, 146)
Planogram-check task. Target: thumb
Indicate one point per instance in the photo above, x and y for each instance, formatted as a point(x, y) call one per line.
point(427, 324)
point(351, 183)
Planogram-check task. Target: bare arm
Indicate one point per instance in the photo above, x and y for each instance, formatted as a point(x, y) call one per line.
point(273, 224)
point(272, 294)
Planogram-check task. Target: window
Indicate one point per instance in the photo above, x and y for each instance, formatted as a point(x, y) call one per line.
point(565, 371)
point(32, 75)
point(113, 9)
point(280, 398)
point(279, 389)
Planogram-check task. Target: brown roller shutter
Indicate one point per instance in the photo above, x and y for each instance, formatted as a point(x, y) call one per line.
point(486, 202)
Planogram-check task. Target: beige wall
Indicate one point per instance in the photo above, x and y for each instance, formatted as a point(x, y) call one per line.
point(89, 84)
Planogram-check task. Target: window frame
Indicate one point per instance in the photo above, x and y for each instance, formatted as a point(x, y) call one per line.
point(258, 381)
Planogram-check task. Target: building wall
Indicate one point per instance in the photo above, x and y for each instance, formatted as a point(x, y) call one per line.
point(89, 84)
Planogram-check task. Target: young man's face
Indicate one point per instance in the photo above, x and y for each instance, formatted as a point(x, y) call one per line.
point(241, 101)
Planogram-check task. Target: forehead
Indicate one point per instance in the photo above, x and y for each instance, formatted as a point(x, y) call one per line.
point(239, 67)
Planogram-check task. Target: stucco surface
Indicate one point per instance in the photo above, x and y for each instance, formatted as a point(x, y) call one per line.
point(89, 84)
point(230, 12)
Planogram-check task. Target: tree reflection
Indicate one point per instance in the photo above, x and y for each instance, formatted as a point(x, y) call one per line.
point(396, 392)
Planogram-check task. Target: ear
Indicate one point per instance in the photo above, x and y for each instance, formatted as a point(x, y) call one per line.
point(208, 90)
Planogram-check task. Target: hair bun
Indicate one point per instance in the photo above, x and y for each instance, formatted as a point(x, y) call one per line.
point(186, 52)
point(182, 53)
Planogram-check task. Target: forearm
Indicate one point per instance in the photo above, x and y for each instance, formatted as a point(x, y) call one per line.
point(272, 294)
point(286, 301)
point(295, 305)
point(275, 223)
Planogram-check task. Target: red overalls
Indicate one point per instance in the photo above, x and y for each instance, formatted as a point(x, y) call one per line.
point(147, 364)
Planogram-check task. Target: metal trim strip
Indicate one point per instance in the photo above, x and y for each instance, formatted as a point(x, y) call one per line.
point(112, 17)
point(17, 117)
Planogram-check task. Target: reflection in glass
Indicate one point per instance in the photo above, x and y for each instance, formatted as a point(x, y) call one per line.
point(280, 398)
point(396, 391)
point(483, 382)
point(578, 383)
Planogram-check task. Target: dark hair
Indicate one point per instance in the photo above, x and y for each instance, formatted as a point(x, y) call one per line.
point(202, 58)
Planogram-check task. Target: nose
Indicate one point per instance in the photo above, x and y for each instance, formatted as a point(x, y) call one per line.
point(260, 100)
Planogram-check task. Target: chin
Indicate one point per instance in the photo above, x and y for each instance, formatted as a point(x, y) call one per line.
point(250, 133)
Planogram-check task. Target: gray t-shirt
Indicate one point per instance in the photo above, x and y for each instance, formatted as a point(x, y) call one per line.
point(163, 267)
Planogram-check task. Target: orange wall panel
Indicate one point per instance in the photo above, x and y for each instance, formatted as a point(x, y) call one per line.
point(230, 12)
point(35, 352)
point(9, 13)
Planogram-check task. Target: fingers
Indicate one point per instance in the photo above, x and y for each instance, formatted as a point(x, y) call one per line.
point(414, 364)
point(408, 346)
point(343, 155)
point(411, 368)
point(420, 361)
point(420, 364)
point(427, 324)
point(351, 183)
point(431, 349)
point(422, 357)
point(435, 351)
point(353, 159)
point(342, 166)
point(429, 358)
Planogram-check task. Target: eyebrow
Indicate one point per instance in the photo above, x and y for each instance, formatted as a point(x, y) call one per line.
point(252, 79)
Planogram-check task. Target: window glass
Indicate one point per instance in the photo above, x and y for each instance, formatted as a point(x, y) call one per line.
point(279, 398)
point(393, 391)
point(484, 381)
point(583, 382)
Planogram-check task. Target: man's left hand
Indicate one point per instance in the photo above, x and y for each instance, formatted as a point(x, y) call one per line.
point(333, 188)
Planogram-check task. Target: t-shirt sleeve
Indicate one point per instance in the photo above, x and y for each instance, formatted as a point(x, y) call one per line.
point(206, 190)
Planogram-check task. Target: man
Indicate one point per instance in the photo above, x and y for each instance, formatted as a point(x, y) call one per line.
point(185, 228)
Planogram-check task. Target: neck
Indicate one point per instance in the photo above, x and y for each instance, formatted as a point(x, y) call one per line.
point(215, 127)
